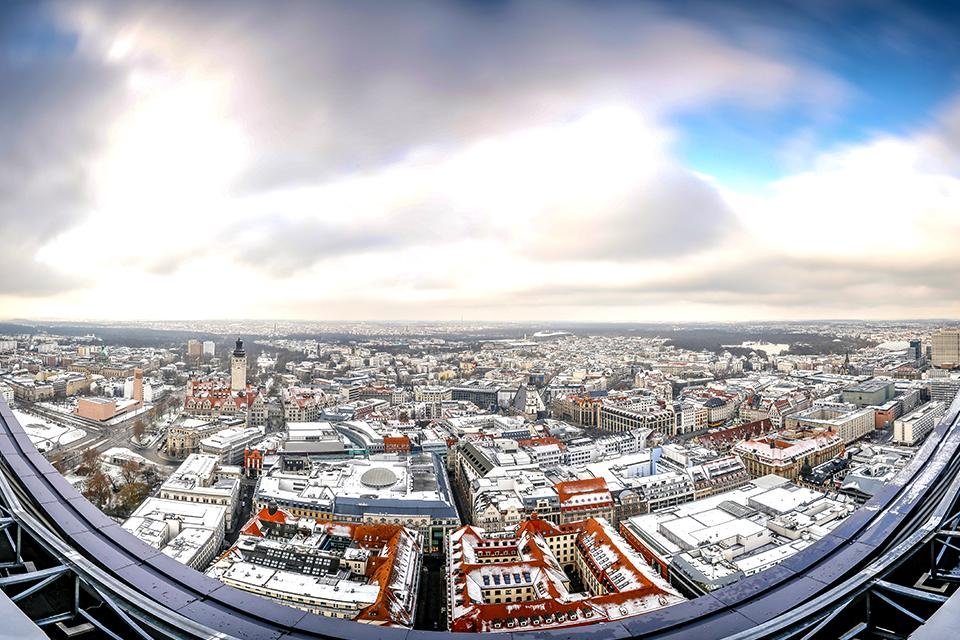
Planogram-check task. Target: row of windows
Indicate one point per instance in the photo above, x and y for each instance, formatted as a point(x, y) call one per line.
point(521, 590)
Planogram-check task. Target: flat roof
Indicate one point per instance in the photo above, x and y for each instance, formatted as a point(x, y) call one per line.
point(869, 386)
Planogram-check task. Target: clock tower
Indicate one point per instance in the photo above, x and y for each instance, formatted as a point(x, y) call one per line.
point(238, 368)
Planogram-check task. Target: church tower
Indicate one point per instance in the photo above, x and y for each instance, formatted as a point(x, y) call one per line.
point(238, 368)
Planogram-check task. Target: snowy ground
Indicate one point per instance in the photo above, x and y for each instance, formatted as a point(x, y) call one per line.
point(66, 406)
point(46, 435)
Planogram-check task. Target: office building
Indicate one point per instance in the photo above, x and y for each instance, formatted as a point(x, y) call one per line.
point(846, 420)
point(786, 454)
point(945, 352)
point(228, 444)
point(707, 544)
point(873, 392)
point(199, 480)
point(190, 533)
point(912, 428)
point(412, 490)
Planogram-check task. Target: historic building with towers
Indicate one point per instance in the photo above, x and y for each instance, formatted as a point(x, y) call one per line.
point(214, 396)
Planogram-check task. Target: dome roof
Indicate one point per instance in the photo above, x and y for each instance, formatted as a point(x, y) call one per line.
point(378, 477)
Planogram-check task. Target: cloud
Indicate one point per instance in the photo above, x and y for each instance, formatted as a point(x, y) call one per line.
point(671, 213)
point(242, 127)
point(284, 246)
point(328, 89)
point(336, 157)
point(864, 230)
point(891, 197)
point(757, 286)
point(602, 187)
point(50, 130)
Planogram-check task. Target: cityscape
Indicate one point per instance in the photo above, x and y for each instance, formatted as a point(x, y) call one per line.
point(446, 319)
point(481, 478)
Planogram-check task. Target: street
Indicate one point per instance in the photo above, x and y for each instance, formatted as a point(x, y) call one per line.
point(99, 436)
point(432, 599)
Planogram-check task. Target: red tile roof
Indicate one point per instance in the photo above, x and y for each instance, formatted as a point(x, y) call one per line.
point(632, 586)
point(566, 490)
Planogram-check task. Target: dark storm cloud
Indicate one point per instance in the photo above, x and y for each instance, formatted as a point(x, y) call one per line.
point(53, 107)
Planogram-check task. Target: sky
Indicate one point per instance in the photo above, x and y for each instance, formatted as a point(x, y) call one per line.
point(531, 160)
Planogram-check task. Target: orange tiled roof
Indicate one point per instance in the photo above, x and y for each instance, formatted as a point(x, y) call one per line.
point(566, 490)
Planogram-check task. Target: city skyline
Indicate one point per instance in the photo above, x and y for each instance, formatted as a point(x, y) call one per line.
point(480, 161)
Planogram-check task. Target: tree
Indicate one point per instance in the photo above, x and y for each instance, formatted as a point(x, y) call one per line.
point(150, 476)
point(90, 458)
point(132, 496)
point(138, 430)
point(98, 488)
point(129, 471)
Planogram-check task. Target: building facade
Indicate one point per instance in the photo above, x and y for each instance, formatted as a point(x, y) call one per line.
point(786, 457)
point(946, 349)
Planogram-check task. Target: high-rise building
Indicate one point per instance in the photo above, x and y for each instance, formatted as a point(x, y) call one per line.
point(946, 349)
point(194, 349)
point(138, 385)
point(917, 347)
point(209, 348)
point(238, 368)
